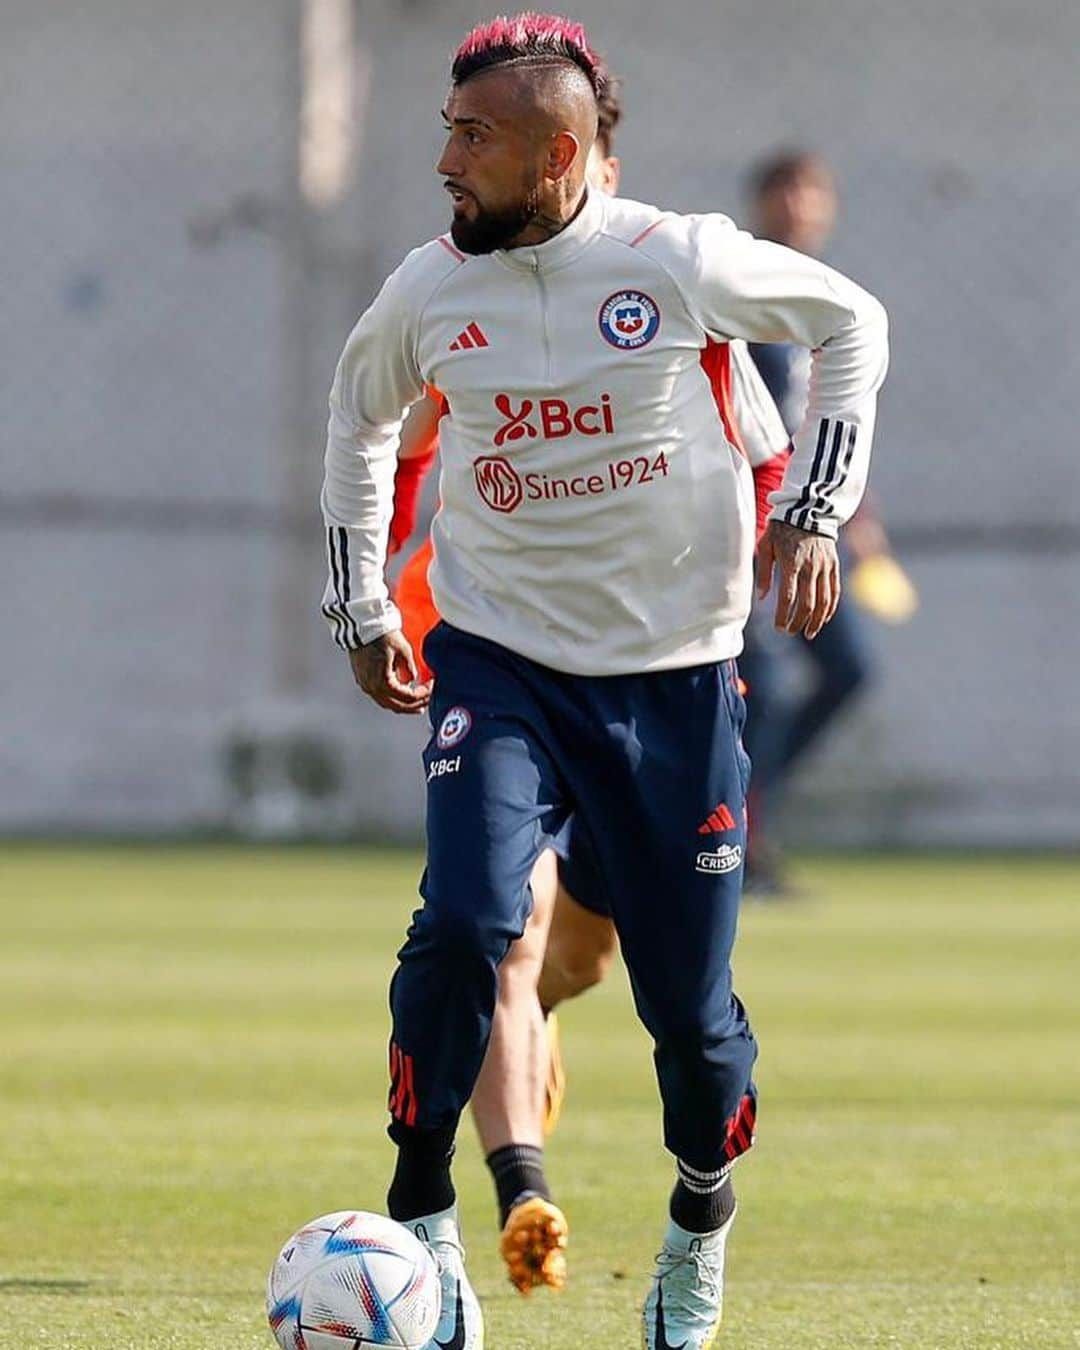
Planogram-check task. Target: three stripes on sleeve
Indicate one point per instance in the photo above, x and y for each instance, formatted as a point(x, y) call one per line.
point(828, 473)
point(339, 591)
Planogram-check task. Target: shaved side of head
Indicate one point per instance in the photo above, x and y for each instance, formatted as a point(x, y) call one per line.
point(546, 97)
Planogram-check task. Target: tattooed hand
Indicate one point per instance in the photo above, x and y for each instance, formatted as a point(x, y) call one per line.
point(808, 589)
point(386, 671)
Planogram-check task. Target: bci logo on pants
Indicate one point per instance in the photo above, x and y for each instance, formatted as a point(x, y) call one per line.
point(439, 768)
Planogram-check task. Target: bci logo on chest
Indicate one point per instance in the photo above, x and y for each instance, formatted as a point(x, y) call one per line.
point(551, 419)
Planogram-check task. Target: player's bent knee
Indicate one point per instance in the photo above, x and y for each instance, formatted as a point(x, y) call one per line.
point(464, 936)
point(572, 967)
point(584, 972)
point(696, 1030)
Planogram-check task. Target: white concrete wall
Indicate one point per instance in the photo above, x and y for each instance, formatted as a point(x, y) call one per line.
point(168, 334)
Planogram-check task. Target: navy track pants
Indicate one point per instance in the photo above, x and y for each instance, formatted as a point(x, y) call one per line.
point(650, 771)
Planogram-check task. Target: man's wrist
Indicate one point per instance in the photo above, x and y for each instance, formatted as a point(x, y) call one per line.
point(824, 529)
point(386, 622)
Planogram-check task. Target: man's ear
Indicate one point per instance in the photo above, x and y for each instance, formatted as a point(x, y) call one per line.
point(563, 150)
point(611, 173)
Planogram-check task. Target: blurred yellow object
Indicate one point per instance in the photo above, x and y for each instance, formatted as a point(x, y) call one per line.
point(555, 1087)
point(881, 586)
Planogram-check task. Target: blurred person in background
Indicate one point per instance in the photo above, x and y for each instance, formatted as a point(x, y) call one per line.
point(569, 942)
point(794, 201)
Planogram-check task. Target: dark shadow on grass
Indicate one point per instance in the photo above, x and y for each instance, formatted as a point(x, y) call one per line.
point(43, 1286)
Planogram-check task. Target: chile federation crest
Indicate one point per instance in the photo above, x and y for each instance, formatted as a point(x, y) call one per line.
point(629, 320)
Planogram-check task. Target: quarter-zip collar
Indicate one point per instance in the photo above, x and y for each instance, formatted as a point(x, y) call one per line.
point(564, 247)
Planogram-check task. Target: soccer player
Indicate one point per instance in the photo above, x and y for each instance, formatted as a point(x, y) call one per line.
point(569, 943)
point(593, 571)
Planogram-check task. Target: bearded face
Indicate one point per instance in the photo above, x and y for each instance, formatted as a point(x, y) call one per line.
point(482, 227)
point(493, 161)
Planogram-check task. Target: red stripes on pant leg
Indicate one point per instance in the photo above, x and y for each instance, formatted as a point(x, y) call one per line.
point(410, 1091)
point(395, 1078)
point(740, 1128)
point(402, 1089)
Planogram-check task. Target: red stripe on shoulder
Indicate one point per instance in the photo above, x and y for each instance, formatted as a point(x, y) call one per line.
point(645, 233)
point(454, 253)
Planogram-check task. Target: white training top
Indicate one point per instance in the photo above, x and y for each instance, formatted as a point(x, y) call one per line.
point(595, 517)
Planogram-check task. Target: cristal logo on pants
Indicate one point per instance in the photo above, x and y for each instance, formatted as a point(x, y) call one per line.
point(724, 858)
point(550, 419)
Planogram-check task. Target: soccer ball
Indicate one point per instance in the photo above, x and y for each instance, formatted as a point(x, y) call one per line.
point(352, 1279)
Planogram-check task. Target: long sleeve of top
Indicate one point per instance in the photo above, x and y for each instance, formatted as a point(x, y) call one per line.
point(375, 383)
point(748, 288)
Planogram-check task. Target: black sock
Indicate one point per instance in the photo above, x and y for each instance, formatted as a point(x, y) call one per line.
point(518, 1172)
point(701, 1202)
point(421, 1183)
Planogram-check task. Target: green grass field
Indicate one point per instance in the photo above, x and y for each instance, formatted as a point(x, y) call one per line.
point(193, 1063)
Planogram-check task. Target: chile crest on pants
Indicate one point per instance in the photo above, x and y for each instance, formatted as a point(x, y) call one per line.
point(454, 727)
point(629, 319)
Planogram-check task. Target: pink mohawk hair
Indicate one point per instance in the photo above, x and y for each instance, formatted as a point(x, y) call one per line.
point(528, 37)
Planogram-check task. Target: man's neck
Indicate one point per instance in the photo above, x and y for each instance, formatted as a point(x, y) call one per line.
point(551, 219)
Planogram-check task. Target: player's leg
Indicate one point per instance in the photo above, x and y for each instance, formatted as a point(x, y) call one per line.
point(508, 1100)
point(581, 947)
point(669, 821)
point(494, 800)
point(508, 1104)
point(513, 1105)
point(581, 944)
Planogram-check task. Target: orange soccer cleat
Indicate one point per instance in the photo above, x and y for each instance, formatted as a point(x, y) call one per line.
point(533, 1245)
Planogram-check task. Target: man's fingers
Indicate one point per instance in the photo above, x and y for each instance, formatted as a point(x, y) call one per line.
point(805, 597)
point(405, 699)
point(398, 705)
point(823, 604)
point(409, 690)
point(386, 671)
point(829, 599)
point(837, 589)
point(390, 693)
point(808, 588)
point(785, 598)
point(403, 656)
point(764, 565)
point(405, 695)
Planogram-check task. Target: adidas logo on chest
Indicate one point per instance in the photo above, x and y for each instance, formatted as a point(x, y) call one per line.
point(470, 337)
